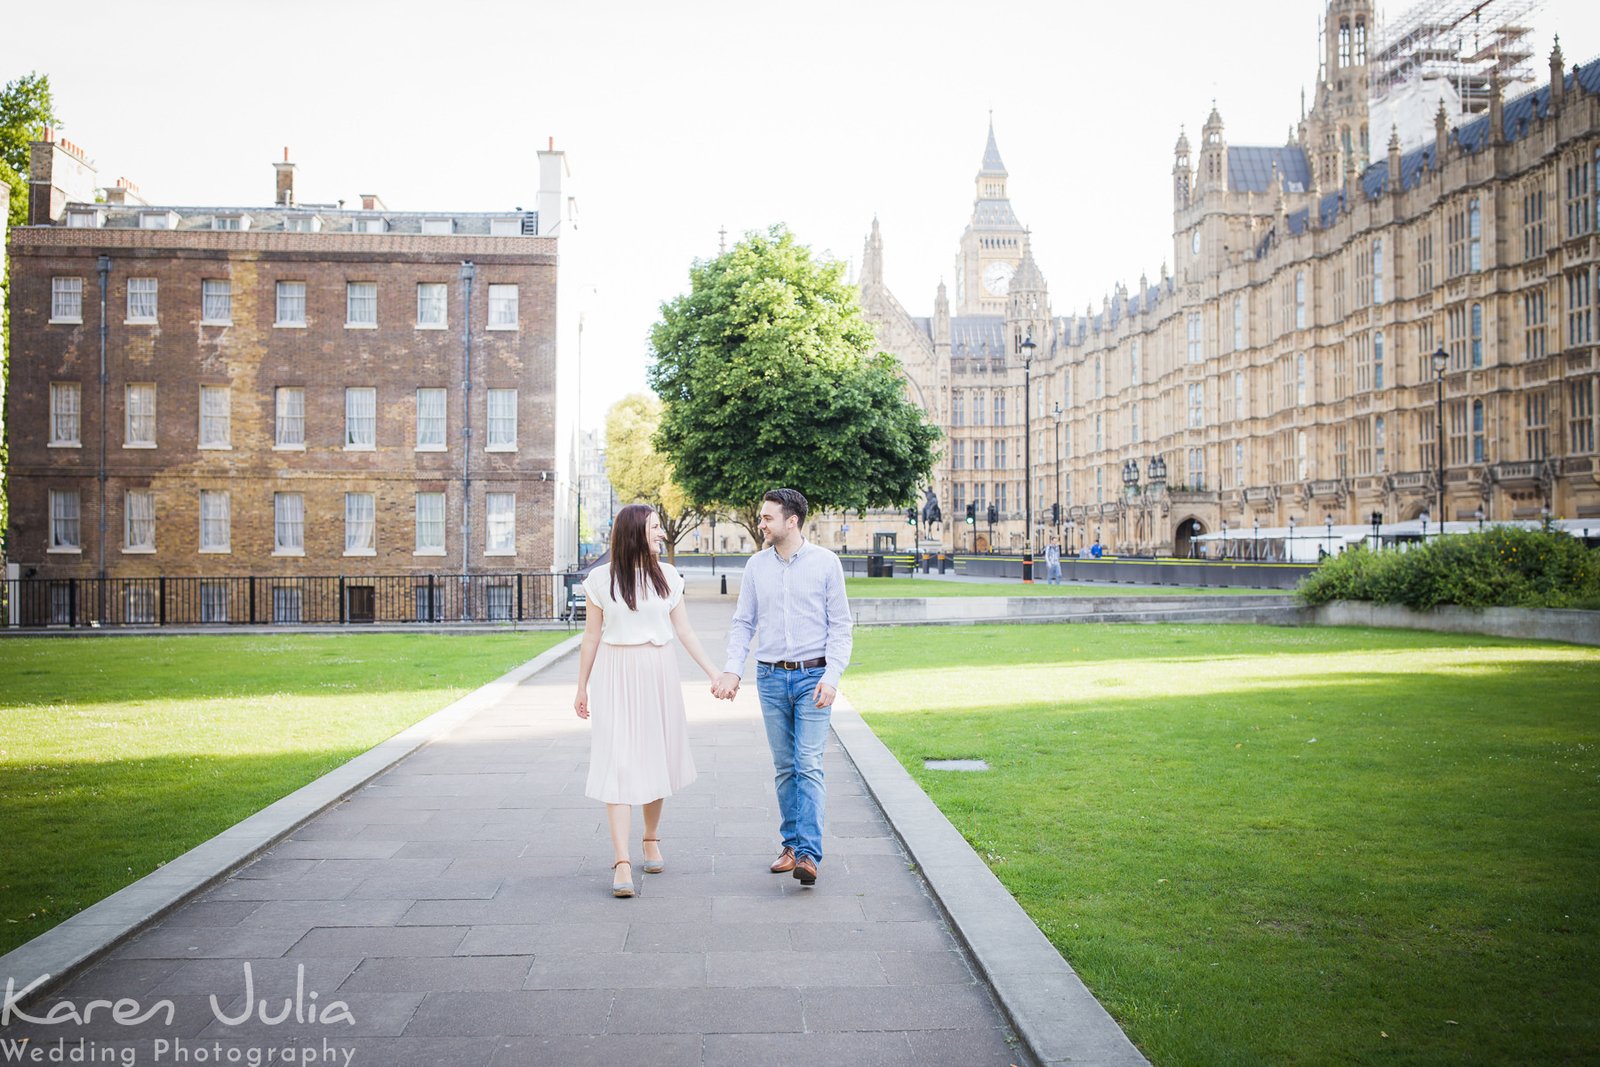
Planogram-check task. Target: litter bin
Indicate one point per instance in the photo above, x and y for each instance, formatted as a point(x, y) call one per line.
point(874, 566)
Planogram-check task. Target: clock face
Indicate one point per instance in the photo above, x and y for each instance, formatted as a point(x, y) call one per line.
point(997, 278)
point(1194, 243)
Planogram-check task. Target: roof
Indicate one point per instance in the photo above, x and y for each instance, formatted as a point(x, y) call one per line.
point(1250, 168)
point(995, 215)
point(991, 156)
point(276, 217)
point(978, 336)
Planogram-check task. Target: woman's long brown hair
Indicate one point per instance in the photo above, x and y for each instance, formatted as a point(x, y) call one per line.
point(631, 556)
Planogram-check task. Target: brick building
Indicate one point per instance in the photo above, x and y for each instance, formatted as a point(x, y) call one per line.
point(290, 389)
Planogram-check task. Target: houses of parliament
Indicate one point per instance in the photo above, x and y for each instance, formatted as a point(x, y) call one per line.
point(1326, 314)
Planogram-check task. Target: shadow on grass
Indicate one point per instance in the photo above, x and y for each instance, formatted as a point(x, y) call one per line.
point(77, 832)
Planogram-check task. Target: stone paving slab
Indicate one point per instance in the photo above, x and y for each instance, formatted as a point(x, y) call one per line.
point(457, 909)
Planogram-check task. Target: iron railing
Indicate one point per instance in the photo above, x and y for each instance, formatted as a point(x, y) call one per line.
point(323, 599)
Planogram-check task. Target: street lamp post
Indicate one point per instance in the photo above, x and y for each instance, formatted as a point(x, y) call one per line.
point(1479, 514)
point(1440, 360)
point(1255, 524)
point(1158, 484)
point(1027, 456)
point(1060, 506)
point(1424, 518)
point(1224, 538)
point(1130, 485)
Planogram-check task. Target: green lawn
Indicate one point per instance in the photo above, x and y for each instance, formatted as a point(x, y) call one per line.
point(930, 587)
point(1279, 846)
point(118, 754)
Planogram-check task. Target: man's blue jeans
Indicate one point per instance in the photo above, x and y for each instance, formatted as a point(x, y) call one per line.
point(796, 731)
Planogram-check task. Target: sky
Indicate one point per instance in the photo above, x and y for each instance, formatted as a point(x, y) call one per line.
point(682, 119)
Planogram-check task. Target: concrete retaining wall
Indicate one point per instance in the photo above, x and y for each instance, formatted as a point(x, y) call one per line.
point(1574, 627)
point(924, 611)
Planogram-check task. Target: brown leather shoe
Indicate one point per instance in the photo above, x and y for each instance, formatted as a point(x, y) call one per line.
point(785, 862)
point(805, 869)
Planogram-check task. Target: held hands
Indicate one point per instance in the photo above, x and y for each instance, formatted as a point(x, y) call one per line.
point(726, 687)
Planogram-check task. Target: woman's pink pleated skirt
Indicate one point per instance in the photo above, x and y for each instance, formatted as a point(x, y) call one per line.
point(639, 738)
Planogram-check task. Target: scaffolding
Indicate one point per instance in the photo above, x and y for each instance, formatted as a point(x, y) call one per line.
point(1451, 50)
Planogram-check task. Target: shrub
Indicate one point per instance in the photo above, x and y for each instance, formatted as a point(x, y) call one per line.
point(1502, 566)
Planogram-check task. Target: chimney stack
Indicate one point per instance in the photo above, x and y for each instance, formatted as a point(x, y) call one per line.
point(59, 173)
point(285, 193)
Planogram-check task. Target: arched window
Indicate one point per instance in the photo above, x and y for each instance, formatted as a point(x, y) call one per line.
point(1377, 360)
point(1361, 41)
point(1477, 432)
point(1344, 43)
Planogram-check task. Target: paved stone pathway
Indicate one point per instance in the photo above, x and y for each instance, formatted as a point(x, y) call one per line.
point(459, 907)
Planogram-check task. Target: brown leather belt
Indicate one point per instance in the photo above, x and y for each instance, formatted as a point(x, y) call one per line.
point(793, 665)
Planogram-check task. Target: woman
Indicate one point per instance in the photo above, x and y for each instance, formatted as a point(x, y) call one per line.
point(639, 746)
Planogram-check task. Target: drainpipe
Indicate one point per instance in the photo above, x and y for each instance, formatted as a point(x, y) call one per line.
point(105, 329)
point(468, 271)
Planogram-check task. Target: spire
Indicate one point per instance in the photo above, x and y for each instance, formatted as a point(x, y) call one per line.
point(1395, 177)
point(991, 155)
point(872, 258)
point(1558, 76)
point(1441, 134)
point(1028, 278)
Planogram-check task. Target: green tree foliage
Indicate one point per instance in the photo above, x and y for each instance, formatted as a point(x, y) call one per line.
point(1503, 566)
point(769, 376)
point(639, 473)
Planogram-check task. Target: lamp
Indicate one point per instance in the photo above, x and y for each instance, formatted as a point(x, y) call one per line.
point(1440, 360)
point(1027, 455)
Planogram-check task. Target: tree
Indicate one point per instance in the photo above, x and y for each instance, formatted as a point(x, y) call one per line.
point(770, 378)
point(640, 474)
point(25, 110)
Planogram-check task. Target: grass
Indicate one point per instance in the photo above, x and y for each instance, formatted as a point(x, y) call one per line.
point(931, 587)
point(119, 754)
point(1284, 846)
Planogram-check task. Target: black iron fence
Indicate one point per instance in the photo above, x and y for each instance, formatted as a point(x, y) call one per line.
point(330, 599)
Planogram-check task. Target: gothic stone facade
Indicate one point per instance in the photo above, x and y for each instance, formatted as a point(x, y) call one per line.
point(1284, 370)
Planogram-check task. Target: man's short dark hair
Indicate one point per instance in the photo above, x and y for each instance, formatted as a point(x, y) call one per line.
point(792, 501)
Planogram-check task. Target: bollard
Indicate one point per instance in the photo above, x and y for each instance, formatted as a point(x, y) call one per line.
point(724, 585)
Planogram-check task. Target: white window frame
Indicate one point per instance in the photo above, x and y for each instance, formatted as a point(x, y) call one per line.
point(353, 396)
point(424, 545)
point(500, 527)
point(433, 407)
point(288, 412)
point(358, 290)
point(506, 226)
point(360, 524)
point(216, 509)
point(66, 301)
point(212, 292)
point(438, 227)
point(494, 421)
point(138, 313)
point(132, 410)
point(219, 418)
point(145, 523)
point(279, 321)
point(65, 415)
point(61, 516)
point(288, 524)
point(427, 294)
point(504, 296)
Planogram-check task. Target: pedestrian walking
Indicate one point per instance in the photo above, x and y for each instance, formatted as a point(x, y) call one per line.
point(639, 741)
point(792, 604)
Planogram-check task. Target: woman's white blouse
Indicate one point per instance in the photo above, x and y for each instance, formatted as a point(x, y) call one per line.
point(649, 623)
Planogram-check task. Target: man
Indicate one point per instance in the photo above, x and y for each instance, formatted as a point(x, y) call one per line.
point(1052, 563)
point(792, 602)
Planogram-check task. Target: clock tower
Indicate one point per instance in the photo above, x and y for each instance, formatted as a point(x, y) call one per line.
point(992, 246)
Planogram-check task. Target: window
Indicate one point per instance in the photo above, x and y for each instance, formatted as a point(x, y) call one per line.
point(1580, 309)
point(141, 300)
point(999, 408)
point(1477, 432)
point(1196, 338)
point(438, 227)
point(430, 524)
point(290, 431)
point(1456, 428)
point(958, 408)
point(288, 524)
point(303, 224)
point(977, 456)
point(502, 420)
point(1302, 464)
point(1299, 299)
point(1364, 446)
point(428, 604)
point(373, 224)
point(1286, 381)
point(1580, 198)
point(1463, 239)
point(360, 418)
point(1197, 468)
point(1536, 424)
point(215, 526)
point(66, 415)
point(431, 305)
point(1134, 436)
point(1197, 412)
point(216, 302)
point(1533, 222)
point(1241, 410)
point(958, 455)
point(66, 299)
point(1341, 371)
point(139, 603)
point(1133, 362)
point(358, 524)
point(285, 603)
point(155, 220)
point(139, 521)
point(1380, 446)
point(1477, 335)
point(139, 429)
point(1535, 344)
point(291, 304)
point(502, 525)
point(430, 420)
point(501, 598)
point(1425, 262)
point(1238, 324)
point(64, 531)
point(1377, 363)
point(502, 307)
point(1427, 451)
point(505, 227)
point(1580, 416)
point(1238, 464)
point(999, 455)
point(978, 402)
point(213, 601)
point(1361, 45)
point(228, 222)
point(1099, 433)
point(83, 220)
point(1377, 270)
point(1099, 486)
point(216, 417)
point(360, 305)
point(1474, 235)
point(1456, 336)
point(1341, 450)
point(1000, 497)
point(1344, 43)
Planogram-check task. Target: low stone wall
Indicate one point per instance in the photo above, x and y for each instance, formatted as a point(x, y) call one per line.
point(1549, 624)
point(955, 610)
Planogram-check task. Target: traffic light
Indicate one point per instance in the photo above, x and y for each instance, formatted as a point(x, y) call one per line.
point(994, 514)
point(911, 516)
point(972, 514)
point(1055, 514)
